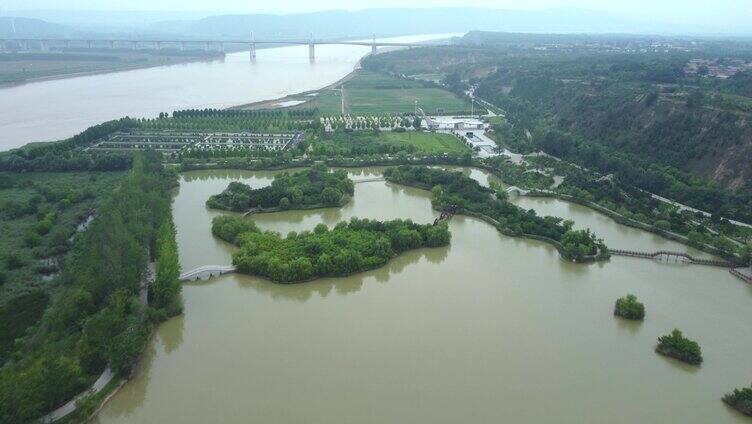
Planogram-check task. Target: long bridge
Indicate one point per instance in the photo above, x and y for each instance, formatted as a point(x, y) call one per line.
point(43, 44)
point(669, 255)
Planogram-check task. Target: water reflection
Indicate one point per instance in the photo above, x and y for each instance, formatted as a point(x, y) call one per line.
point(302, 292)
point(171, 333)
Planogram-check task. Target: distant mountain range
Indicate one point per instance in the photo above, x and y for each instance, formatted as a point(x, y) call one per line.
point(363, 23)
point(387, 22)
point(25, 27)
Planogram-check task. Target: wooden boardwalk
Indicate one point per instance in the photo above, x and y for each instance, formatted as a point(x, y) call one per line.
point(669, 255)
point(745, 274)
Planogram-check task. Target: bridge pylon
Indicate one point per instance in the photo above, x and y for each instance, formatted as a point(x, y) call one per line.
point(311, 49)
point(252, 48)
point(373, 45)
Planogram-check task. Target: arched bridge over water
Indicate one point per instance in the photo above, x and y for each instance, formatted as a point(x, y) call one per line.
point(207, 271)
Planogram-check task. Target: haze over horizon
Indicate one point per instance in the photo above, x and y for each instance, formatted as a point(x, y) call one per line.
point(722, 16)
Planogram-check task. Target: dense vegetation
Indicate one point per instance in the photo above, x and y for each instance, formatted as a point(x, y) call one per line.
point(348, 248)
point(452, 190)
point(40, 216)
point(741, 400)
point(629, 307)
point(315, 187)
point(96, 319)
point(639, 116)
point(677, 346)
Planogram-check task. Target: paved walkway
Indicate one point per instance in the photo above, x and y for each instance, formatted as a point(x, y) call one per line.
point(106, 377)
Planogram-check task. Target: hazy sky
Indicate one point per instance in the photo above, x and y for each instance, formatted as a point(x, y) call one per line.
point(666, 8)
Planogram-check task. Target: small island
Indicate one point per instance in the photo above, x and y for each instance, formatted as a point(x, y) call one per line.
point(629, 308)
point(345, 249)
point(741, 400)
point(312, 188)
point(675, 345)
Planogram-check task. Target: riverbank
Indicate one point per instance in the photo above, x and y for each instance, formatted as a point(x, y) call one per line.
point(123, 67)
point(277, 103)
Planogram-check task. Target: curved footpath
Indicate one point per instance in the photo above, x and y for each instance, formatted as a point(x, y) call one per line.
point(107, 375)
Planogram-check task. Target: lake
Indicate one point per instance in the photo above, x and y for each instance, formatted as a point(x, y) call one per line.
point(488, 329)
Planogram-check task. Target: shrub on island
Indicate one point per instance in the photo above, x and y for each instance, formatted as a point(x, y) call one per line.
point(675, 345)
point(310, 188)
point(347, 248)
point(741, 400)
point(628, 307)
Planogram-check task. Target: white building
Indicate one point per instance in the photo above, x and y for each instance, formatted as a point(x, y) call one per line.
point(453, 123)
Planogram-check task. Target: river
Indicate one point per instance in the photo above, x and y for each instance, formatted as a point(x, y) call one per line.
point(56, 109)
point(489, 329)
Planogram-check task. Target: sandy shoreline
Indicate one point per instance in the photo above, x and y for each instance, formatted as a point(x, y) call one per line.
point(274, 103)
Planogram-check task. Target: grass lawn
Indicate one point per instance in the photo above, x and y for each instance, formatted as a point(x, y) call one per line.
point(426, 142)
point(376, 101)
point(370, 93)
point(327, 101)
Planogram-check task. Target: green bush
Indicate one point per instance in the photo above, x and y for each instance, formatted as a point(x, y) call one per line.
point(628, 307)
point(741, 400)
point(675, 345)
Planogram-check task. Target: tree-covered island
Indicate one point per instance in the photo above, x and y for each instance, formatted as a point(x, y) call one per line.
point(629, 307)
point(457, 192)
point(741, 400)
point(347, 248)
point(308, 189)
point(675, 345)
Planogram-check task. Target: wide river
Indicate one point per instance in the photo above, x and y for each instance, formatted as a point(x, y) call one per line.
point(489, 329)
point(56, 109)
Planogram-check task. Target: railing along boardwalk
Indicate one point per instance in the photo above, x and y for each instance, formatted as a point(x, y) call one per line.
point(208, 271)
point(745, 274)
point(369, 180)
point(684, 257)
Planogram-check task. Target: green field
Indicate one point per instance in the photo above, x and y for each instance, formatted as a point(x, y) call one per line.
point(428, 143)
point(365, 142)
point(369, 93)
point(328, 102)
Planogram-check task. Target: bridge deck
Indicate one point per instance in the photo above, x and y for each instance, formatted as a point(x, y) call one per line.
point(668, 254)
point(208, 270)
